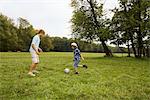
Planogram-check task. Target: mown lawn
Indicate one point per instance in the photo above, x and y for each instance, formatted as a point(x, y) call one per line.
point(117, 78)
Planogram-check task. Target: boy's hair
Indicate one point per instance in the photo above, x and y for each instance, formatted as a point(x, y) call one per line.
point(74, 44)
point(41, 31)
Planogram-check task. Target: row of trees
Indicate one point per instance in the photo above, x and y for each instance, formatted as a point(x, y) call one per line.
point(129, 26)
point(63, 44)
point(18, 38)
point(59, 44)
point(13, 38)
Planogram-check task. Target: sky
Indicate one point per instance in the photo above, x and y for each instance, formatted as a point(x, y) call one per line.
point(51, 15)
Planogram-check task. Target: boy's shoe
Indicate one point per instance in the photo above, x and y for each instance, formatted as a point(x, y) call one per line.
point(85, 66)
point(31, 74)
point(76, 72)
point(35, 71)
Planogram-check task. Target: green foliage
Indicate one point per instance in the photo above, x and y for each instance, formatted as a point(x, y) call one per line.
point(46, 43)
point(83, 23)
point(130, 24)
point(13, 38)
point(117, 78)
point(8, 34)
point(19, 38)
point(88, 22)
point(63, 44)
point(25, 34)
point(83, 26)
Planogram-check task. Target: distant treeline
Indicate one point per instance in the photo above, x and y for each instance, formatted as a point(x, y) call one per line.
point(63, 45)
point(18, 38)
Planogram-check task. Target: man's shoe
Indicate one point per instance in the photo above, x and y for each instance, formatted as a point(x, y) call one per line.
point(31, 74)
point(35, 71)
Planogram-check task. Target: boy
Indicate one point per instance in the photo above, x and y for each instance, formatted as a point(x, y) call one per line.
point(77, 57)
point(35, 52)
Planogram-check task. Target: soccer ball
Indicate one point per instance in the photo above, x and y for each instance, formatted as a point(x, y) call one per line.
point(66, 70)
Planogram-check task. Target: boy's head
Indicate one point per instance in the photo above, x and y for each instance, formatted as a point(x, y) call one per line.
point(74, 45)
point(41, 33)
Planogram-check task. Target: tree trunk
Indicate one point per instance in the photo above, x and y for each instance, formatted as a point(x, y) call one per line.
point(97, 26)
point(148, 51)
point(130, 34)
point(106, 49)
point(140, 44)
point(139, 33)
point(128, 49)
point(144, 54)
point(133, 46)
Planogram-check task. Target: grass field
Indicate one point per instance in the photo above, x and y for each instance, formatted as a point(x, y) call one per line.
point(117, 78)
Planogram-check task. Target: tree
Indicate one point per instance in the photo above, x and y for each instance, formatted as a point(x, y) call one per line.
point(46, 43)
point(122, 26)
point(60, 44)
point(88, 22)
point(25, 34)
point(8, 36)
point(131, 22)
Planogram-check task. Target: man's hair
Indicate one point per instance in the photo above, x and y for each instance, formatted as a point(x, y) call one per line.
point(41, 31)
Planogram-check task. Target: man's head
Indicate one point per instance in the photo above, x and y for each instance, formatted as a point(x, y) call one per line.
point(41, 33)
point(36, 31)
point(74, 45)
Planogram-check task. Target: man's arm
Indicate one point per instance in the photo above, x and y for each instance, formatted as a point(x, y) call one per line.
point(37, 52)
point(40, 50)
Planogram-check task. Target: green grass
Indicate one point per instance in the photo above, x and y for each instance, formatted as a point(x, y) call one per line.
point(117, 78)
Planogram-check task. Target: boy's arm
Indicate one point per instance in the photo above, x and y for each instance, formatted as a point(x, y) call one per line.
point(37, 52)
point(81, 56)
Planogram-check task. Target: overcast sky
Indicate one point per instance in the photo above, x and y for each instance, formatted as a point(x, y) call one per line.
point(51, 15)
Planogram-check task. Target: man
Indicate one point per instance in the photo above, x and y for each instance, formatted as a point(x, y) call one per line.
point(35, 52)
